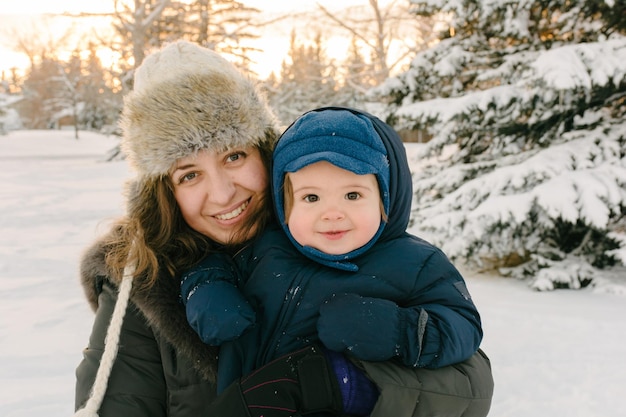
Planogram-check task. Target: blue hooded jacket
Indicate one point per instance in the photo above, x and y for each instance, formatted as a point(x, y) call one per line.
point(399, 298)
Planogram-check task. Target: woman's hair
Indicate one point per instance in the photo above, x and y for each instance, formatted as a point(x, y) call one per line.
point(155, 238)
point(256, 222)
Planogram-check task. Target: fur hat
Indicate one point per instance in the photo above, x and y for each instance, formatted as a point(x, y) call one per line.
point(187, 98)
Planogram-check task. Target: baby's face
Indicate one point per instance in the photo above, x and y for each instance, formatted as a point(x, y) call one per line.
point(334, 211)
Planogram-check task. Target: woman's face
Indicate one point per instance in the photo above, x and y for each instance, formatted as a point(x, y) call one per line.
point(218, 191)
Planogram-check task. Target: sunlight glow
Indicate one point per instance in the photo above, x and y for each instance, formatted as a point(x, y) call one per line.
point(21, 15)
point(46, 6)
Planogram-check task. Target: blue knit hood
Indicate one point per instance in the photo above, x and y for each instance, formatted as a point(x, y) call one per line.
point(355, 141)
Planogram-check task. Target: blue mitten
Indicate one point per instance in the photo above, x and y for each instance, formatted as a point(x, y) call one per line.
point(368, 328)
point(216, 309)
point(218, 312)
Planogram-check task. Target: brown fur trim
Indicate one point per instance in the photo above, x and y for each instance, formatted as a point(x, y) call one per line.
point(92, 271)
point(166, 315)
point(161, 307)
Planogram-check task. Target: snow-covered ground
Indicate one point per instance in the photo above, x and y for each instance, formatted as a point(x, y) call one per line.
point(554, 354)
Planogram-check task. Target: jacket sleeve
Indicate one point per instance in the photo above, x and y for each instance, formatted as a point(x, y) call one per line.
point(216, 309)
point(137, 384)
point(441, 324)
point(460, 390)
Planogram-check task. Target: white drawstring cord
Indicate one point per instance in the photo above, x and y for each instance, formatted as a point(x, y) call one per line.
point(111, 346)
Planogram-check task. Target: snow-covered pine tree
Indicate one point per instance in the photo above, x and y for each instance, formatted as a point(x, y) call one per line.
point(306, 80)
point(526, 105)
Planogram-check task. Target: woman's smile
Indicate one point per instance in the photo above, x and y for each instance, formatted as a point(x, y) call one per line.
point(234, 213)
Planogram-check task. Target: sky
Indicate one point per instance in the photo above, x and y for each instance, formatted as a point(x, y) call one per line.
point(60, 6)
point(28, 13)
point(554, 354)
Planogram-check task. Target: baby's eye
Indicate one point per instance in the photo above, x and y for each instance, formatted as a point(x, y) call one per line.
point(353, 196)
point(311, 198)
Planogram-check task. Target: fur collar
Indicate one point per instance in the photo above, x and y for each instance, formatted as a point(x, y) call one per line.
point(161, 307)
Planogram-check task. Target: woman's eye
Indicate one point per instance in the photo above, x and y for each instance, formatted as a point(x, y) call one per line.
point(311, 198)
point(353, 196)
point(235, 156)
point(188, 177)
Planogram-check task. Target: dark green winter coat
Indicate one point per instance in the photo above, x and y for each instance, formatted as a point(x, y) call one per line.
point(162, 368)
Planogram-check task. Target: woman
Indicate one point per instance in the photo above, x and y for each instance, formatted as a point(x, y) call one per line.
point(186, 100)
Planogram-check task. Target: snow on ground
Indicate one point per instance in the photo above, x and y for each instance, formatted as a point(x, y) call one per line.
point(554, 354)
